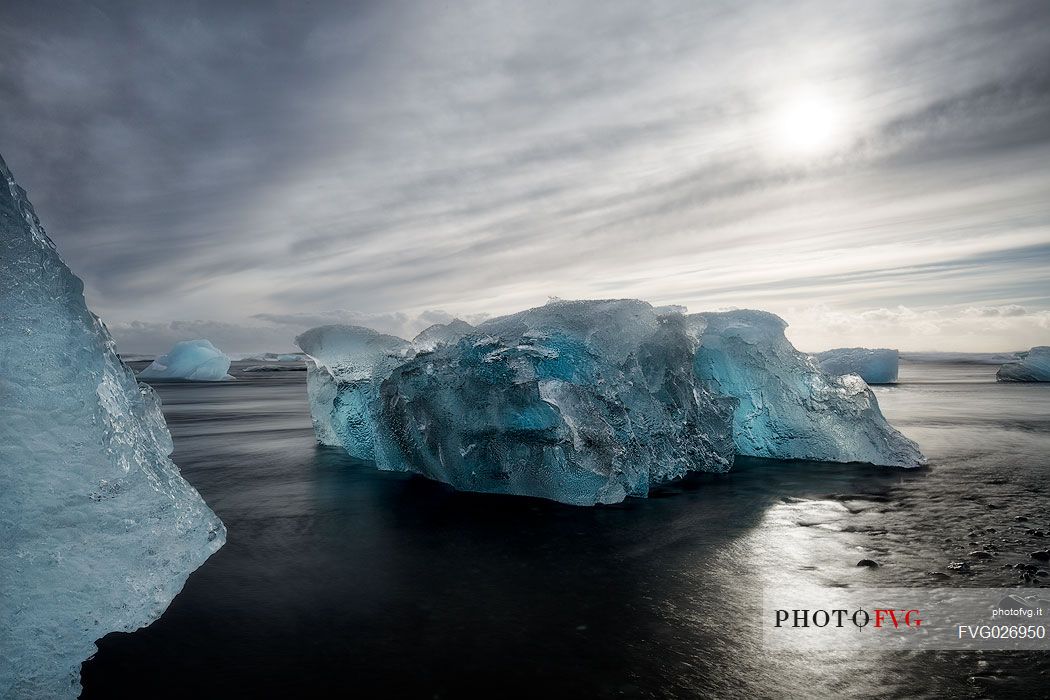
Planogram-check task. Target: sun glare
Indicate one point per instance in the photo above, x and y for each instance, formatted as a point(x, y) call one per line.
point(807, 125)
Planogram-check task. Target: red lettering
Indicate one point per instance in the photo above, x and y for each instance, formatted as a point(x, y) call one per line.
point(880, 614)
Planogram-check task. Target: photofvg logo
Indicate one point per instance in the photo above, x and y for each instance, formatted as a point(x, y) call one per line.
point(840, 617)
point(832, 618)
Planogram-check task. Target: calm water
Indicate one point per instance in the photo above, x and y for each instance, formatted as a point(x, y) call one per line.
point(337, 578)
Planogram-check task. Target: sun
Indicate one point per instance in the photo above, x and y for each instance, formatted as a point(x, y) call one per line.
point(808, 124)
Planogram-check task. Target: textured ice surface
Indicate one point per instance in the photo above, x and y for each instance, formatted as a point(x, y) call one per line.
point(192, 360)
point(1032, 366)
point(580, 402)
point(344, 367)
point(439, 334)
point(98, 531)
point(875, 366)
point(577, 401)
point(789, 408)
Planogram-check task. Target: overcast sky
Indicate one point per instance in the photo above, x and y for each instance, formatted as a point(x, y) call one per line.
point(877, 173)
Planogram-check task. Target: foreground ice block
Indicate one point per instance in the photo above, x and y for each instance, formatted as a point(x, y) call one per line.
point(1032, 366)
point(874, 366)
point(190, 360)
point(98, 531)
point(789, 408)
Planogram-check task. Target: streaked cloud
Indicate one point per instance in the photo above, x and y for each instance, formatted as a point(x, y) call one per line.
point(261, 162)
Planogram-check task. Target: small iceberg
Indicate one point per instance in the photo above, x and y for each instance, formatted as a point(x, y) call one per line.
point(190, 360)
point(874, 366)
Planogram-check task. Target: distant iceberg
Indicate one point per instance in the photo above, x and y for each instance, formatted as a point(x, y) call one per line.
point(1031, 366)
point(274, 357)
point(588, 402)
point(874, 366)
point(98, 531)
point(190, 360)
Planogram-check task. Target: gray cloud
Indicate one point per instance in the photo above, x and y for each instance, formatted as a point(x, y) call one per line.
point(1006, 311)
point(259, 164)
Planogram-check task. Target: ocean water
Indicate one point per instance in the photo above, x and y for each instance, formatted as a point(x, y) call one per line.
point(338, 579)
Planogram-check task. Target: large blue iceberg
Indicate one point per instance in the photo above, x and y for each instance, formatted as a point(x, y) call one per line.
point(1031, 366)
point(98, 531)
point(190, 360)
point(874, 366)
point(587, 402)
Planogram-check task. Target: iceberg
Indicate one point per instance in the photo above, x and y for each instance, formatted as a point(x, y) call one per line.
point(588, 402)
point(1031, 366)
point(874, 366)
point(290, 357)
point(98, 530)
point(578, 402)
point(190, 360)
point(788, 407)
point(274, 357)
